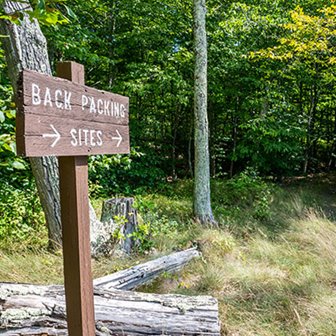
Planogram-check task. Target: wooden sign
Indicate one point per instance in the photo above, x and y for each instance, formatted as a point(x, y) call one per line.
point(62, 118)
point(65, 118)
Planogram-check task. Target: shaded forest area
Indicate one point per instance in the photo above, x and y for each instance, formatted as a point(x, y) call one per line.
point(271, 85)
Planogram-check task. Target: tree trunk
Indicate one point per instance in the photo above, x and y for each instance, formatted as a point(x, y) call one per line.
point(190, 165)
point(310, 137)
point(202, 203)
point(26, 48)
point(142, 274)
point(40, 310)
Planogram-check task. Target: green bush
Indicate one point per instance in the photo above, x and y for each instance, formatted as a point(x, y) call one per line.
point(21, 216)
point(155, 226)
point(245, 192)
point(124, 174)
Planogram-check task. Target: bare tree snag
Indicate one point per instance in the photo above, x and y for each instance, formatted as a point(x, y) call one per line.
point(40, 310)
point(121, 209)
point(140, 275)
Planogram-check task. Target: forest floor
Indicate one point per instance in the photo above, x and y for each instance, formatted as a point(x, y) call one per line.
point(271, 263)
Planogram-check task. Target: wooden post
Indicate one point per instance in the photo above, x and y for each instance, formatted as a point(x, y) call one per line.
point(76, 230)
point(65, 118)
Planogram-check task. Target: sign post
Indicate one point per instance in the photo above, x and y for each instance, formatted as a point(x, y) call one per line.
point(63, 117)
point(75, 217)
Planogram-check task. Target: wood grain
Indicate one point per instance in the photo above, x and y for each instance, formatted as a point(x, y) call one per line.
point(142, 274)
point(44, 101)
point(39, 310)
point(36, 126)
point(74, 191)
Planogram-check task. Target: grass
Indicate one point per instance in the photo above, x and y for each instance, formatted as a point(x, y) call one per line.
point(271, 263)
point(273, 274)
point(38, 267)
point(269, 287)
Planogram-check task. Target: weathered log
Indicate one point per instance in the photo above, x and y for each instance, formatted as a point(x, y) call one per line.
point(142, 274)
point(121, 210)
point(40, 310)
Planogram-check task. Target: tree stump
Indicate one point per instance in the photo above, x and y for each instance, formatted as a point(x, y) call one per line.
point(120, 214)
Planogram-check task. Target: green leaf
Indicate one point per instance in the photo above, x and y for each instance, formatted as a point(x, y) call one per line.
point(2, 117)
point(18, 165)
point(41, 4)
point(70, 12)
point(52, 18)
point(10, 114)
point(12, 145)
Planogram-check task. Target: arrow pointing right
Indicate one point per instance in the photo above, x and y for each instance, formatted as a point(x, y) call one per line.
point(119, 138)
point(53, 135)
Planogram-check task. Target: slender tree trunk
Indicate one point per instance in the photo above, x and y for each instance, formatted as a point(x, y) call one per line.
point(190, 165)
point(202, 203)
point(26, 48)
point(332, 154)
point(310, 128)
point(234, 146)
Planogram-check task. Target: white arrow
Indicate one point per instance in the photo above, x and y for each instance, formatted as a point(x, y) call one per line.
point(119, 138)
point(54, 135)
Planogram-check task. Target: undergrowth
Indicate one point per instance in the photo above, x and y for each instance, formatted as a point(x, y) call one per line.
point(22, 223)
point(271, 262)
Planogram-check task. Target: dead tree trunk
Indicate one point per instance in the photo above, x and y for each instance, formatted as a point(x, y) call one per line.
point(140, 275)
point(40, 310)
point(120, 214)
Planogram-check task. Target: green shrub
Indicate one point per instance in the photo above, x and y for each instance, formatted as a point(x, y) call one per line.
point(157, 228)
point(246, 191)
point(127, 174)
point(21, 217)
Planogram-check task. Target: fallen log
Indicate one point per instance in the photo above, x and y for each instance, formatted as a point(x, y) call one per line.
point(142, 274)
point(40, 310)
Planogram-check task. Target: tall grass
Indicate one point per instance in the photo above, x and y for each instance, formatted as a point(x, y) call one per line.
point(273, 275)
point(277, 287)
point(271, 263)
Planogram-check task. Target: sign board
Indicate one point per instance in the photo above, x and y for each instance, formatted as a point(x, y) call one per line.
point(58, 117)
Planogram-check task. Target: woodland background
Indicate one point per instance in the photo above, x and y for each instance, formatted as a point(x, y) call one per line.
point(272, 118)
point(271, 85)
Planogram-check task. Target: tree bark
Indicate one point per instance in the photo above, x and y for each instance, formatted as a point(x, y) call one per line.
point(40, 310)
point(202, 202)
point(142, 274)
point(26, 48)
